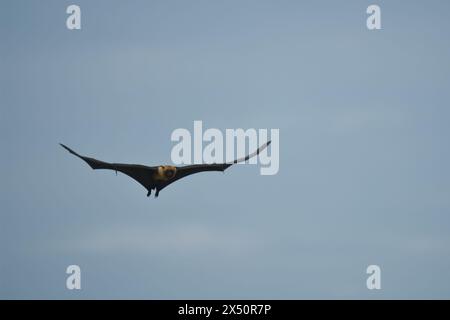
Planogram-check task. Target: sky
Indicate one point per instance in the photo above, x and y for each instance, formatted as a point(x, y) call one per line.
point(363, 179)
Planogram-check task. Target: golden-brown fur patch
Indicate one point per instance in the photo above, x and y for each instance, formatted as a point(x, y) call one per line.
point(163, 173)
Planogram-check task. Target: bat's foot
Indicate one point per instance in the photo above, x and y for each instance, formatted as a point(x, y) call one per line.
point(156, 193)
point(149, 193)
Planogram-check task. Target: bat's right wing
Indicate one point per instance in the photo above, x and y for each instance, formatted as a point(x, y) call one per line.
point(196, 168)
point(140, 173)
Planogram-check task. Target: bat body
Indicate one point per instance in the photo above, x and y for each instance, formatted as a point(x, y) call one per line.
point(158, 177)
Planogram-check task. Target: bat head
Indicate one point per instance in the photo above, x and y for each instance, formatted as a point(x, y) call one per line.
point(167, 172)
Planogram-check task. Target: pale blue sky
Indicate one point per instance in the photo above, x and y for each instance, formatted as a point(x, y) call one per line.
point(364, 126)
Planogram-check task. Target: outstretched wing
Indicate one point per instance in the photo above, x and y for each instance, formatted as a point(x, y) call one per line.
point(140, 173)
point(196, 168)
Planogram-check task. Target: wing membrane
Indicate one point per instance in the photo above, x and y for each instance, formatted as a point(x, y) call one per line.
point(140, 173)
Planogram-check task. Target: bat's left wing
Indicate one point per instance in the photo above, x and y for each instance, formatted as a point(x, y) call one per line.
point(140, 173)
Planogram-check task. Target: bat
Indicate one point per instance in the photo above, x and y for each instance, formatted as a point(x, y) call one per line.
point(158, 177)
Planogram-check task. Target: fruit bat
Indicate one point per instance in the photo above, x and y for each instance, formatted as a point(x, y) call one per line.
point(158, 177)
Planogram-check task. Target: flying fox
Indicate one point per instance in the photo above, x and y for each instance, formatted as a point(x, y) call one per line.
point(158, 177)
